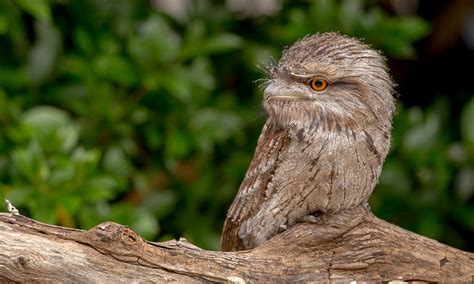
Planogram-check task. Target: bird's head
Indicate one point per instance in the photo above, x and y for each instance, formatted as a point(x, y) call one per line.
point(333, 81)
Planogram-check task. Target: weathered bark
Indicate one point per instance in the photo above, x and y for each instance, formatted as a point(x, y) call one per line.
point(353, 245)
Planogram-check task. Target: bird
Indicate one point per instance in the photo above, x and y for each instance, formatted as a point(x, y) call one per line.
point(330, 101)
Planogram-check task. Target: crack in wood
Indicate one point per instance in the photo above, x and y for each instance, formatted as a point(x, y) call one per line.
point(357, 244)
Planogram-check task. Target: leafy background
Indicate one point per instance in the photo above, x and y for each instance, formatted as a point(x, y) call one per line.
point(145, 112)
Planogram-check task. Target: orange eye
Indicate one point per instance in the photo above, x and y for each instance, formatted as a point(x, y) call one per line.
point(318, 84)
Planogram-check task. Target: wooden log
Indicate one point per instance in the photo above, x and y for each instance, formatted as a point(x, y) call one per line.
point(352, 245)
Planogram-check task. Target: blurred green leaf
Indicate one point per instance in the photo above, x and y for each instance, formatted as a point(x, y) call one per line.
point(99, 188)
point(116, 162)
point(431, 226)
point(13, 77)
point(43, 55)
point(3, 23)
point(30, 163)
point(82, 156)
point(214, 127)
point(224, 42)
point(465, 183)
point(154, 43)
point(40, 9)
point(42, 117)
point(51, 127)
point(424, 132)
point(117, 69)
point(467, 123)
point(178, 144)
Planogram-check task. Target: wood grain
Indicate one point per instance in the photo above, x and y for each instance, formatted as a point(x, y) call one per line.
point(352, 245)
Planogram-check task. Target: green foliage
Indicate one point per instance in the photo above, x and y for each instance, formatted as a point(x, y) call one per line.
point(115, 110)
point(428, 179)
point(357, 18)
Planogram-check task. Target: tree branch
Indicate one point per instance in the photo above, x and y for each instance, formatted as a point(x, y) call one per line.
point(352, 245)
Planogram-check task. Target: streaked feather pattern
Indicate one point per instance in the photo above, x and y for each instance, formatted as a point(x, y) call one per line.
point(318, 153)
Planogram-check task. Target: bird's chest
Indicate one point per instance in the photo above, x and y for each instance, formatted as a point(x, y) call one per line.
point(318, 149)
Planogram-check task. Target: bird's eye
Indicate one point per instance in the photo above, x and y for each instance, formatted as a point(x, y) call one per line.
point(318, 84)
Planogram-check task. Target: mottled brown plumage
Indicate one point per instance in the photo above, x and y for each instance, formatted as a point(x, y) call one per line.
point(319, 152)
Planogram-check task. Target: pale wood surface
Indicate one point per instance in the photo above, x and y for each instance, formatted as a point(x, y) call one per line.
point(354, 245)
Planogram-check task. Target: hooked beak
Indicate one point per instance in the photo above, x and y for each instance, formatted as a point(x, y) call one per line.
point(278, 90)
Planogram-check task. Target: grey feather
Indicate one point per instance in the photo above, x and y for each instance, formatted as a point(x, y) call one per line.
point(319, 152)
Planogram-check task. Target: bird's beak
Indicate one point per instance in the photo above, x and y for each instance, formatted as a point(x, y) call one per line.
point(278, 90)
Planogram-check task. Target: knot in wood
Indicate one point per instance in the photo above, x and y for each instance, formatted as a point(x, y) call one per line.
point(115, 239)
point(129, 236)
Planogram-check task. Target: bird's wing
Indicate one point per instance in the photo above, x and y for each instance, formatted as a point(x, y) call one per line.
point(256, 186)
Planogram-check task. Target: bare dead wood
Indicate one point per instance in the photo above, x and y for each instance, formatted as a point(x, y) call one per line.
point(353, 245)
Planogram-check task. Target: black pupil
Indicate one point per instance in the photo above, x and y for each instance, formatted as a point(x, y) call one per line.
point(318, 83)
